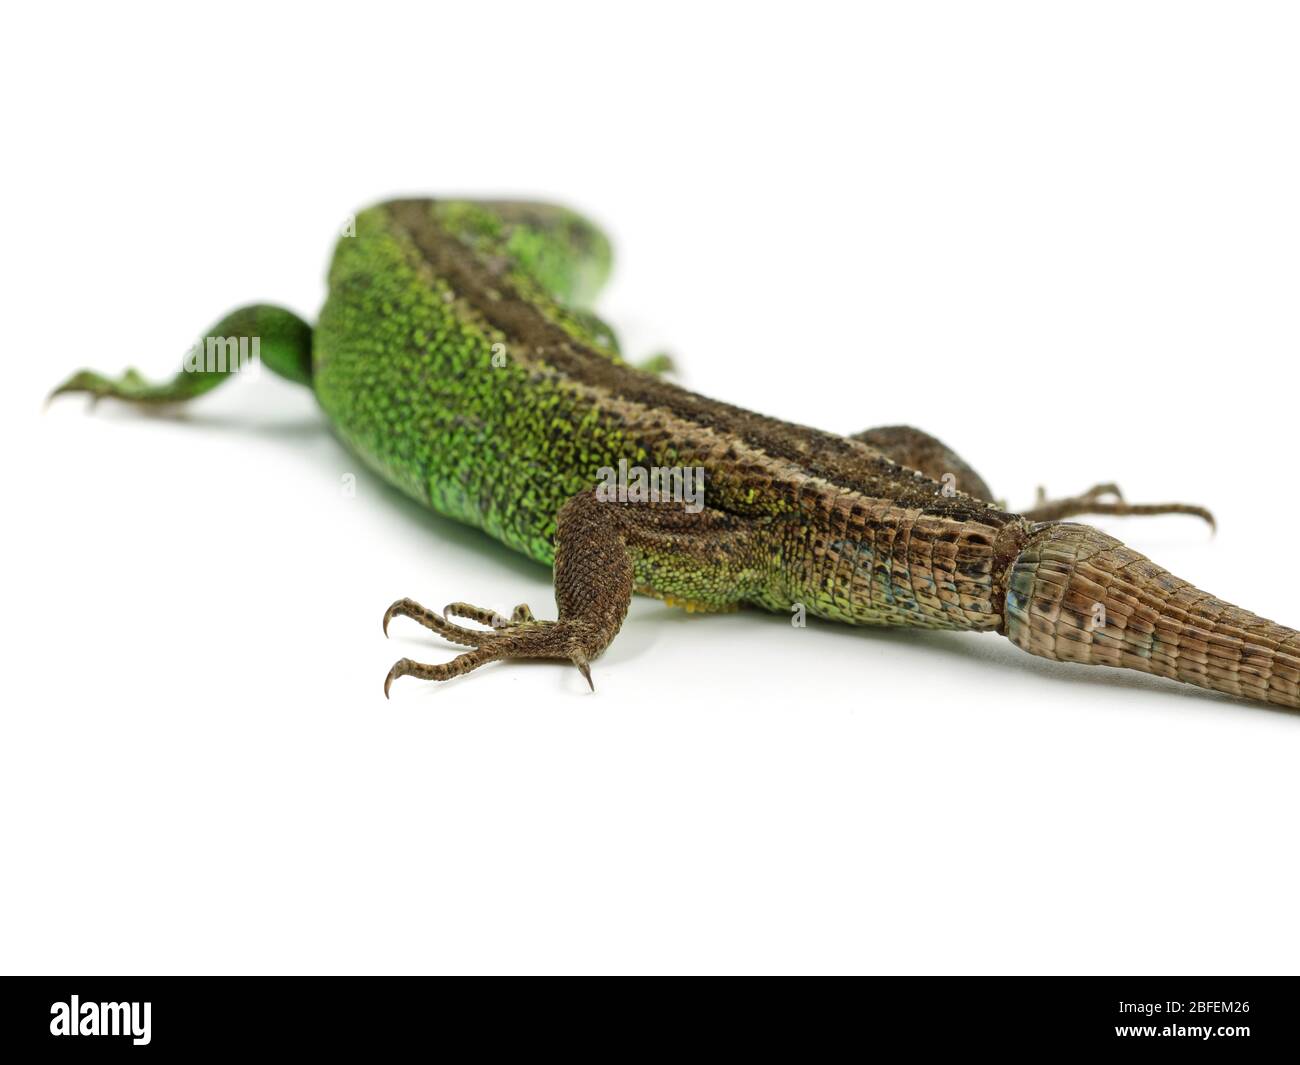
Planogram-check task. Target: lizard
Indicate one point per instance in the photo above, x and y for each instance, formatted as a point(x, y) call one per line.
point(458, 354)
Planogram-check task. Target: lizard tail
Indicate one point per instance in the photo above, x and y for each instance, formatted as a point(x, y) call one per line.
point(242, 342)
point(1075, 594)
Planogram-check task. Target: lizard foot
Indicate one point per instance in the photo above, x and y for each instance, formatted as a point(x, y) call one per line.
point(1095, 501)
point(518, 636)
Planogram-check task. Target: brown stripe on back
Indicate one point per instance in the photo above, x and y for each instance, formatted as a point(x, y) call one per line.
point(846, 464)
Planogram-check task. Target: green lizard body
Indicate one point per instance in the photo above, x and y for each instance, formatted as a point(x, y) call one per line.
point(457, 355)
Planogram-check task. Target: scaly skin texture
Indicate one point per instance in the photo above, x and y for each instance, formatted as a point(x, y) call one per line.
point(457, 356)
point(404, 368)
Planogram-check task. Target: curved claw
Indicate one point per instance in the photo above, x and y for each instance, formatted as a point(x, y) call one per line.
point(462, 663)
point(585, 670)
point(400, 669)
point(519, 636)
point(404, 608)
point(409, 608)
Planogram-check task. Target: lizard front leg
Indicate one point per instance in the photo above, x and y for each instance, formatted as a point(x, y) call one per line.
point(602, 339)
point(605, 550)
point(247, 338)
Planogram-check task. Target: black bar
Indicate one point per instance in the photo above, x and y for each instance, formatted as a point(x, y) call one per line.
point(359, 1015)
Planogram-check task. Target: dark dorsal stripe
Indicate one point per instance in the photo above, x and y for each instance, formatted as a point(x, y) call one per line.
point(836, 459)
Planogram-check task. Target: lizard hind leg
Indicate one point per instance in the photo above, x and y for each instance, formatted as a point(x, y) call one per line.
point(1106, 499)
point(604, 549)
point(919, 450)
point(521, 636)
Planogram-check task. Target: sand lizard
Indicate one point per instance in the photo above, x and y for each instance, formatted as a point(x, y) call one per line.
point(456, 354)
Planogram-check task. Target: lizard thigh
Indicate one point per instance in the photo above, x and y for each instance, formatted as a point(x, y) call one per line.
point(919, 450)
point(706, 560)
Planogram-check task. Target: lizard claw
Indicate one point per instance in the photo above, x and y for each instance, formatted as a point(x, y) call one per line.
point(518, 636)
point(398, 670)
point(585, 670)
point(409, 608)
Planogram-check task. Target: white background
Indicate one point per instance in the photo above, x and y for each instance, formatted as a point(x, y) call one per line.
point(1064, 238)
